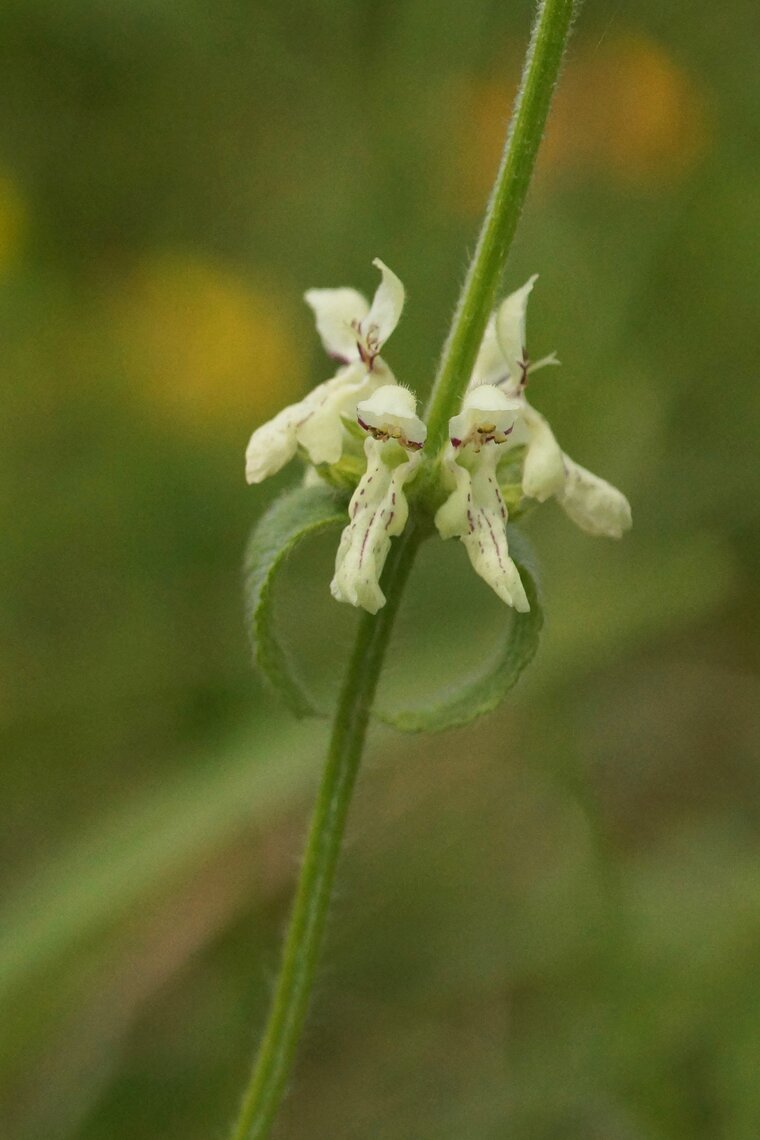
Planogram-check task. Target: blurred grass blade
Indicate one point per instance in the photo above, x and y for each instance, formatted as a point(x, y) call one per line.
point(153, 841)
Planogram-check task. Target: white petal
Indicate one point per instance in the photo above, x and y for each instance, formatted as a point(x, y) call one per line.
point(320, 430)
point(385, 311)
point(543, 470)
point(272, 445)
point(475, 511)
point(338, 313)
point(315, 423)
point(490, 366)
point(594, 504)
point(510, 327)
point(459, 428)
point(488, 401)
point(452, 519)
point(485, 409)
point(378, 510)
point(391, 409)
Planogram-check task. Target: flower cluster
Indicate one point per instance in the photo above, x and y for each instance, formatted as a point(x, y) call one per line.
point(498, 442)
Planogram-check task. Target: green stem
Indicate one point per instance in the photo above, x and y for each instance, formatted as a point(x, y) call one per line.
point(478, 297)
point(302, 946)
point(291, 999)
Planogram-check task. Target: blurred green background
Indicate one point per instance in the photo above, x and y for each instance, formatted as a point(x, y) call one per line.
point(547, 926)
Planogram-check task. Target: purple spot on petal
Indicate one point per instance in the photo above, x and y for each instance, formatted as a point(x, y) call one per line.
point(495, 543)
point(364, 543)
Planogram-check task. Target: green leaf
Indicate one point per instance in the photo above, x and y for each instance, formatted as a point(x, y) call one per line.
point(470, 697)
point(296, 515)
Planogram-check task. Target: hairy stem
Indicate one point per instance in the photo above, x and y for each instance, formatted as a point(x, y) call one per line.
point(302, 946)
point(542, 63)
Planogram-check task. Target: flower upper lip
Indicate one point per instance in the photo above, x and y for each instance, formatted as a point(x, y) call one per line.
point(350, 328)
point(353, 332)
point(389, 413)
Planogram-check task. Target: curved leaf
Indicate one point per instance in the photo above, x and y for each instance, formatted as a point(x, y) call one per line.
point(293, 517)
point(471, 697)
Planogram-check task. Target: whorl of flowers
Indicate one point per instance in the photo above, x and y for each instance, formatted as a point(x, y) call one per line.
point(499, 448)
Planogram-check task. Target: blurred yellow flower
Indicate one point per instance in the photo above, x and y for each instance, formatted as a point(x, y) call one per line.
point(630, 111)
point(203, 344)
point(13, 219)
point(625, 111)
